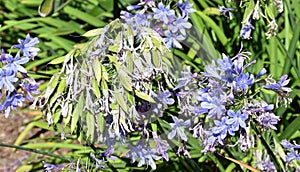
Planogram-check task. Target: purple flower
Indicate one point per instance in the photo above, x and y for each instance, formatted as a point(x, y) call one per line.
point(244, 81)
point(108, 153)
point(262, 72)
point(293, 155)
point(7, 77)
point(226, 63)
point(172, 39)
point(3, 56)
point(214, 104)
point(27, 46)
point(163, 13)
point(148, 157)
point(30, 88)
point(133, 7)
point(186, 8)
point(246, 30)
point(280, 85)
point(14, 64)
point(289, 145)
point(268, 120)
point(52, 167)
point(177, 127)
point(180, 24)
point(236, 120)
point(164, 98)
point(161, 146)
point(12, 103)
point(226, 11)
point(220, 130)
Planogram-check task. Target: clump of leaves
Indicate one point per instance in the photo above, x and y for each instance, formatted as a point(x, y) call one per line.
point(110, 86)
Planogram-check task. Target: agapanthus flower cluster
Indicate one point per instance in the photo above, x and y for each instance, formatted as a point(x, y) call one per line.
point(15, 84)
point(293, 150)
point(222, 102)
point(170, 23)
point(255, 11)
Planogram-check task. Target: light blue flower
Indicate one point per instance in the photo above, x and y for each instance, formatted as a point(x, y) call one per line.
point(180, 24)
point(177, 127)
point(244, 81)
point(292, 155)
point(12, 103)
point(163, 13)
point(226, 11)
point(14, 64)
point(27, 46)
point(221, 129)
point(172, 39)
point(7, 78)
point(236, 120)
point(165, 98)
point(186, 8)
point(280, 85)
point(214, 104)
point(246, 30)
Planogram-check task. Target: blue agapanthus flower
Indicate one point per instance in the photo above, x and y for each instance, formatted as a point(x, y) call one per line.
point(177, 128)
point(27, 46)
point(246, 30)
point(12, 102)
point(244, 81)
point(165, 98)
point(280, 85)
point(7, 78)
point(14, 64)
point(163, 13)
point(30, 88)
point(236, 120)
point(226, 11)
point(173, 39)
point(186, 7)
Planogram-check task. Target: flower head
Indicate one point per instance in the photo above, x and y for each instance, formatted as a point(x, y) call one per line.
point(12, 103)
point(236, 120)
point(177, 127)
point(163, 13)
point(14, 64)
point(7, 78)
point(246, 30)
point(27, 46)
point(280, 85)
point(226, 11)
point(186, 8)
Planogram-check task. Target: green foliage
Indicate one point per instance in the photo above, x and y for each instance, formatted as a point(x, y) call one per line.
point(94, 78)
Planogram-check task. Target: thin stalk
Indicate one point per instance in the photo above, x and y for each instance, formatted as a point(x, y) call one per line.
point(35, 151)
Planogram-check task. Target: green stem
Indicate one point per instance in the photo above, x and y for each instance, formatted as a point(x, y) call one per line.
point(35, 151)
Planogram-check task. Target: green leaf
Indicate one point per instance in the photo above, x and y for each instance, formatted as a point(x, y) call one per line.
point(51, 86)
point(90, 122)
point(125, 79)
point(290, 129)
point(96, 88)
point(144, 96)
point(77, 112)
point(97, 69)
point(57, 60)
point(46, 7)
point(84, 16)
point(220, 34)
point(120, 99)
point(92, 33)
point(101, 122)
